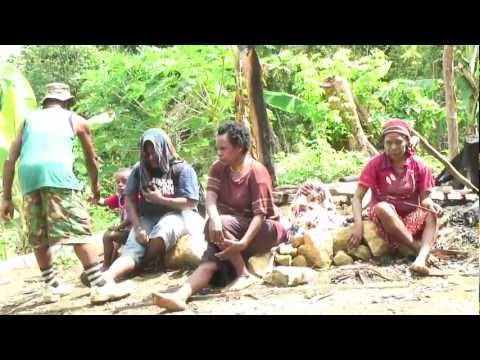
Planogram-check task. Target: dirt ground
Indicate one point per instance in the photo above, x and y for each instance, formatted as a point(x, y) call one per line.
point(455, 290)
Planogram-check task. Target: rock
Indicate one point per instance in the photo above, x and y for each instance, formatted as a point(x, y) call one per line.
point(471, 197)
point(455, 197)
point(447, 189)
point(317, 248)
point(361, 252)
point(285, 260)
point(297, 239)
point(187, 253)
point(287, 249)
point(406, 251)
point(340, 238)
point(300, 261)
point(261, 265)
point(376, 244)
point(289, 276)
point(342, 258)
point(437, 195)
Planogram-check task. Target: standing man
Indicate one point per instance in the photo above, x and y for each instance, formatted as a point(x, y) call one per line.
point(54, 210)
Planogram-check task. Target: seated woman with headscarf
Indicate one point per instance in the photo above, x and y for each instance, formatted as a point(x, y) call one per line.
point(169, 192)
point(400, 206)
point(243, 220)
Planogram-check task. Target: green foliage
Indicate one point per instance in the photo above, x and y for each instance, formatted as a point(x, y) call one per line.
point(414, 100)
point(102, 218)
point(302, 76)
point(186, 90)
point(43, 64)
point(17, 99)
point(317, 161)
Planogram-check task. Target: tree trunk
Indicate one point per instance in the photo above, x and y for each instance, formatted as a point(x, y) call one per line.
point(261, 131)
point(449, 82)
point(360, 140)
point(241, 97)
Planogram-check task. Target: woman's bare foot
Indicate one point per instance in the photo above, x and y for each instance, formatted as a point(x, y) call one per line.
point(420, 268)
point(169, 301)
point(240, 283)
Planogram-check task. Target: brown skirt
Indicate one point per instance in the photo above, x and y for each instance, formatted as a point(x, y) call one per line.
point(270, 234)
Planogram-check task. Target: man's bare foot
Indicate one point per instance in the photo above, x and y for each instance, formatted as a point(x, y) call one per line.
point(420, 268)
point(169, 301)
point(240, 283)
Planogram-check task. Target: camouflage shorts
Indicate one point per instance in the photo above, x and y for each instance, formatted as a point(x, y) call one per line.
point(56, 216)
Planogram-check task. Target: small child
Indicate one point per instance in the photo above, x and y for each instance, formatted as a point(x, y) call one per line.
point(116, 235)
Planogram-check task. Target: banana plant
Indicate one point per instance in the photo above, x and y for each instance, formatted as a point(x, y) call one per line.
point(17, 100)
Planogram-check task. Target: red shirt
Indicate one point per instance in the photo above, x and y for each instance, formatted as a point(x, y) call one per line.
point(386, 185)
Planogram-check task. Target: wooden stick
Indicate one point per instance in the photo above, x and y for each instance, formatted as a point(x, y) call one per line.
point(445, 162)
point(420, 207)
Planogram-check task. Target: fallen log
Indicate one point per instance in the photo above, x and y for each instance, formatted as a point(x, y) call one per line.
point(431, 150)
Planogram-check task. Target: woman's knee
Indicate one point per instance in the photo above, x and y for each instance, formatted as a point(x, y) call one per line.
point(208, 267)
point(431, 220)
point(384, 209)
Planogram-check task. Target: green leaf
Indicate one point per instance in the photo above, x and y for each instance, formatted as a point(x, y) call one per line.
point(18, 100)
point(287, 102)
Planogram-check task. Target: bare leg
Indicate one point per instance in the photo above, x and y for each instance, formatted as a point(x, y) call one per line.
point(155, 248)
point(108, 248)
point(177, 301)
point(393, 225)
point(428, 239)
point(120, 267)
point(44, 257)
point(86, 253)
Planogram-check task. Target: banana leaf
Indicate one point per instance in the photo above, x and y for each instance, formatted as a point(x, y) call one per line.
point(18, 100)
point(288, 103)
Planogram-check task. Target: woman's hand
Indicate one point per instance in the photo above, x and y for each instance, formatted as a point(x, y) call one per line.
point(215, 229)
point(357, 235)
point(7, 210)
point(141, 236)
point(154, 197)
point(233, 247)
point(436, 208)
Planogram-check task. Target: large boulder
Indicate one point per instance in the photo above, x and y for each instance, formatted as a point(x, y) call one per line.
point(377, 245)
point(340, 238)
point(290, 276)
point(297, 239)
point(407, 251)
point(187, 252)
point(361, 252)
point(342, 258)
point(285, 260)
point(261, 265)
point(287, 249)
point(299, 260)
point(317, 248)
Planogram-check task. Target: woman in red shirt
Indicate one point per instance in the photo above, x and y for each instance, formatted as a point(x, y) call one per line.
point(400, 182)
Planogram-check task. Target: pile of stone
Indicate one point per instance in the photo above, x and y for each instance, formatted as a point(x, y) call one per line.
point(320, 248)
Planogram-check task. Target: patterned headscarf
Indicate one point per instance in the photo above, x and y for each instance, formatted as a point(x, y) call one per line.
point(166, 155)
point(401, 127)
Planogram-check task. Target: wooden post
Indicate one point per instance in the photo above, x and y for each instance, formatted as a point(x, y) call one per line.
point(260, 129)
point(449, 83)
point(341, 86)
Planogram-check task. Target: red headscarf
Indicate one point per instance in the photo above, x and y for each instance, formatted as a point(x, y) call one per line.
point(397, 126)
point(401, 127)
